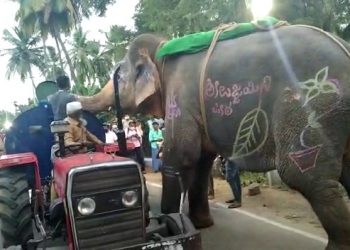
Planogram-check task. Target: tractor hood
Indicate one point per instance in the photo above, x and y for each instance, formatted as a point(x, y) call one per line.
point(62, 166)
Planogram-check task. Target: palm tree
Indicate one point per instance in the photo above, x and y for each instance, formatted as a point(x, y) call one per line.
point(117, 38)
point(81, 55)
point(58, 16)
point(91, 65)
point(49, 17)
point(24, 54)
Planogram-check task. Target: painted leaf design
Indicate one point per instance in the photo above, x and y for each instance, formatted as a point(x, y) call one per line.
point(322, 75)
point(311, 94)
point(252, 133)
point(328, 87)
point(308, 84)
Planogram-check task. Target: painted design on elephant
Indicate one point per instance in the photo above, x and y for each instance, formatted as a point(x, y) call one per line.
point(237, 90)
point(173, 108)
point(305, 159)
point(321, 84)
point(222, 110)
point(252, 133)
point(173, 111)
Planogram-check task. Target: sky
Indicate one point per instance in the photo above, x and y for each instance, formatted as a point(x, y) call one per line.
point(14, 89)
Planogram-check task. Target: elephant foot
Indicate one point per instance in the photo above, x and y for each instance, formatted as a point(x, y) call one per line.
point(202, 222)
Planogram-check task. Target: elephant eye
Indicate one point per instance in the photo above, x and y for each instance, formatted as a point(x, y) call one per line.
point(139, 71)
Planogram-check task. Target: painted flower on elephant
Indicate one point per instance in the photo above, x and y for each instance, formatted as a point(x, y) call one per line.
point(321, 84)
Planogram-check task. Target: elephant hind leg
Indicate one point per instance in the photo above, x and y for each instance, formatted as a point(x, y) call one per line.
point(198, 192)
point(324, 197)
point(326, 200)
point(345, 177)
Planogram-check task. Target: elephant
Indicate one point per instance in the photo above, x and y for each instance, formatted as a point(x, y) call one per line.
point(278, 99)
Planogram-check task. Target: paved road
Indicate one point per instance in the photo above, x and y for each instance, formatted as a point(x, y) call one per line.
point(234, 230)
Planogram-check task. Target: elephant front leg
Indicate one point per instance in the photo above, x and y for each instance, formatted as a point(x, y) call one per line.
point(181, 153)
point(198, 193)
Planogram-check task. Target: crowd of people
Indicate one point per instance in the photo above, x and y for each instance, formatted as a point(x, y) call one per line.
point(134, 133)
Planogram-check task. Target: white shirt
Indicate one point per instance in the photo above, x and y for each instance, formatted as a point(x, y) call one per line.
point(111, 137)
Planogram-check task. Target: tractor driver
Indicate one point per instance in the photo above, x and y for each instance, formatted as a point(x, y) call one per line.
point(78, 134)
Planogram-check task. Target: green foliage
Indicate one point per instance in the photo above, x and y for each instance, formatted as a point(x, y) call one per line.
point(118, 37)
point(85, 8)
point(20, 108)
point(248, 178)
point(24, 53)
point(180, 17)
point(330, 15)
point(57, 16)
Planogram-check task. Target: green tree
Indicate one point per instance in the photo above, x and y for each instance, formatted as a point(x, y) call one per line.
point(53, 67)
point(117, 39)
point(49, 17)
point(81, 55)
point(330, 15)
point(179, 17)
point(24, 54)
point(55, 17)
point(91, 63)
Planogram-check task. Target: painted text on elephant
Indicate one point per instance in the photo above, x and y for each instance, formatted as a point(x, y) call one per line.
point(235, 92)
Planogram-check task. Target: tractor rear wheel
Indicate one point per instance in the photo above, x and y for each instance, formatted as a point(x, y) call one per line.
point(15, 210)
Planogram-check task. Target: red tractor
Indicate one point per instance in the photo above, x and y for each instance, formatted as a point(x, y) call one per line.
point(101, 198)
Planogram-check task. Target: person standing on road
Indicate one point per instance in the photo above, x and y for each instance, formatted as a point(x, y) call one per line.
point(155, 138)
point(60, 99)
point(132, 134)
point(111, 137)
point(234, 181)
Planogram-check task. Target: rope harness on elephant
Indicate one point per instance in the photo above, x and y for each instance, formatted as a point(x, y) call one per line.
point(218, 31)
point(330, 36)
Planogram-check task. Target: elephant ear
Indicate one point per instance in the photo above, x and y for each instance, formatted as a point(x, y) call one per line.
point(147, 77)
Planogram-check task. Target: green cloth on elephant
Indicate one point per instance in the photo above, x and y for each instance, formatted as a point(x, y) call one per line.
point(197, 42)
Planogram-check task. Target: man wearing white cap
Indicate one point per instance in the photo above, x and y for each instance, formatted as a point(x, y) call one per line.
point(78, 134)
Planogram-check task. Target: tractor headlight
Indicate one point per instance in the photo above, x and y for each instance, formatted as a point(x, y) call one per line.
point(129, 198)
point(86, 206)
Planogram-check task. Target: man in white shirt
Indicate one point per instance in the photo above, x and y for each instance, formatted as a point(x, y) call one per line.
point(111, 137)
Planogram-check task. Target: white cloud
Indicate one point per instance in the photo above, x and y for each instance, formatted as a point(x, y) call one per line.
point(12, 90)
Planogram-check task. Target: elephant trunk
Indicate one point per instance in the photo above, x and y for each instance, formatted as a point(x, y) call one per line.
point(101, 101)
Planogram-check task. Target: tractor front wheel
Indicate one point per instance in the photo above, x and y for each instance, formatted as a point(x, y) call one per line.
point(15, 210)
